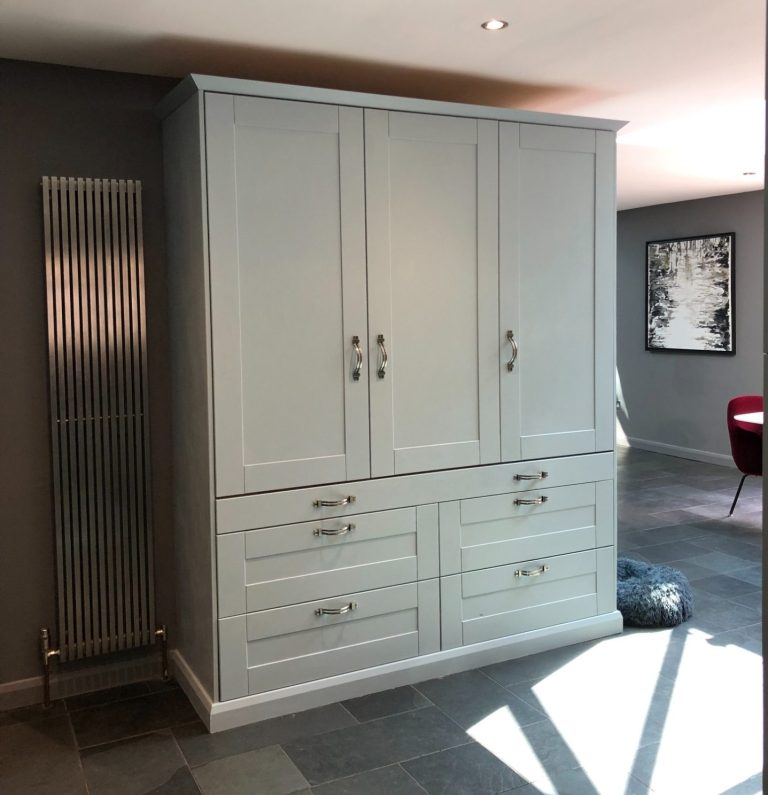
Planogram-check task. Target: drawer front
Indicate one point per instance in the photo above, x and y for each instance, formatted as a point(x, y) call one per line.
point(234, 514)
point(290, 564)
point(305, 642)
point(507, 600)
point(504, 528)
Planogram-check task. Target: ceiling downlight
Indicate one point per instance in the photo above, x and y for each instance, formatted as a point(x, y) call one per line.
point(494, 24)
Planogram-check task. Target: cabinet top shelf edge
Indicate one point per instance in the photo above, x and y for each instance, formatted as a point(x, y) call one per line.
point(195, 83)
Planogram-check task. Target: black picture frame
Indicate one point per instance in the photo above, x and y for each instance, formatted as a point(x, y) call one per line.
point(693, 311)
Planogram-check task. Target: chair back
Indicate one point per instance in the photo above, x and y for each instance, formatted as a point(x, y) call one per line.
point(746, 442)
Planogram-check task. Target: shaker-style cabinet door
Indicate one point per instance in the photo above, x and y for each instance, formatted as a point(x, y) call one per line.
point(286, 204)
point(556, 252)
point(432, 225)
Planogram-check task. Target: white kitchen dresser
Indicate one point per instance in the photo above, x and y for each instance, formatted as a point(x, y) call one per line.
point(393, 376)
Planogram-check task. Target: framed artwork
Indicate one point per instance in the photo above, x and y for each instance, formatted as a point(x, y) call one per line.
point(690, 294)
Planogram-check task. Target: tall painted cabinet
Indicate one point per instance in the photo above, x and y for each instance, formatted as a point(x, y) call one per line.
point(392, 360)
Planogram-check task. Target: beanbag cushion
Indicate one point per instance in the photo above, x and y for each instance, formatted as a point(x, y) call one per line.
point(652, 596)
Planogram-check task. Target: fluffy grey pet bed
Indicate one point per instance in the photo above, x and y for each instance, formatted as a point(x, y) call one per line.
point(652, 596)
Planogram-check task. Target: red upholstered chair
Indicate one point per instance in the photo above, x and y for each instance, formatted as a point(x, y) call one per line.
point(746, 439)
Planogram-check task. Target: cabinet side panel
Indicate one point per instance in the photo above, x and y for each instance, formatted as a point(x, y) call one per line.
point(605, 291)
point(191, 397)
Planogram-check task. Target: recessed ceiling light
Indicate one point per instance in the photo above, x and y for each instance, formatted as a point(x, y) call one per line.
point(494, 24)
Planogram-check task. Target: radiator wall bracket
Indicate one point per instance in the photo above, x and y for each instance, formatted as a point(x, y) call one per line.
point(46, 653)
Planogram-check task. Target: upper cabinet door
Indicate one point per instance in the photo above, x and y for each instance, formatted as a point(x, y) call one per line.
point(557, 247)
point(286, 203)
point(432, 212)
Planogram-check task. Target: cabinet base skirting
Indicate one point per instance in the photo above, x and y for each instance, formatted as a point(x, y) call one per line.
point(221, 715)
point(192, 687)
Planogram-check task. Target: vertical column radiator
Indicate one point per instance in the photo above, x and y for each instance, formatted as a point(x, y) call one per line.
point(99, 424)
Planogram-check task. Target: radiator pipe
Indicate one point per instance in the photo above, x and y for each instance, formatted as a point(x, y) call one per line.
point(46, 652)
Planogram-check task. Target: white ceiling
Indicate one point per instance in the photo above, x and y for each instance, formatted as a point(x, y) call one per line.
point(687, 74)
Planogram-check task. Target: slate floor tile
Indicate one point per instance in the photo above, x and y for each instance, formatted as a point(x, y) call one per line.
point(580, 782)
point(534, 667)
point(725, 586)
point(32, 713)
point(391, 780)
point(736, 547)
point(674, 550)
point(669, 776)
point(708, 511)
point(662, 535)
point(377, 743)
point(751, 786)
point(534, 752)
point(719, 562)
point(723, 617)
point(267, 771)
point(199, 747)
point(388, 702)
point(749, 638)
point(751, 574)
point(692, 571)
point(129, 718)
point(753, 600)
point(471, 696)
point(468, 770)
point(149, 763)
point(40, 757)
point(107, 696)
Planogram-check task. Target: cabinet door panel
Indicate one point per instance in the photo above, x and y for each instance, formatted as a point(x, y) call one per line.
point(555, 249)
point(432, 186)
point(286, 217)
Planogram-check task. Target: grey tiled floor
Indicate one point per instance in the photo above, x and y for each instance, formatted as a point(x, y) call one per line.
point(672, 712)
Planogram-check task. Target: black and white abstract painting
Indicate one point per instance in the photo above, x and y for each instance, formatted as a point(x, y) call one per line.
point(690, 292)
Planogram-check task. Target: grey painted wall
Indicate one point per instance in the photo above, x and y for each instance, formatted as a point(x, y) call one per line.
point(680, 399)
point(65, 122)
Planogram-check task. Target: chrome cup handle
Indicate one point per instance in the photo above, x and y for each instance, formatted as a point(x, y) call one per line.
point(535, 501)
point(358, 358)
point(382, 371)
point(532, 572)
point(333, 503)
point(515, 350)
point(340, 531)
point(335, 611)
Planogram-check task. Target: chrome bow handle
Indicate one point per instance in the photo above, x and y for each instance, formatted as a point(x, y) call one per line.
point(513, 342)
point(535, 501)
point(335, 611)
point(532, 572)
point(333, 503)
point(339, 531)
point(382, 371)
point(358, 368)
point(537, 476)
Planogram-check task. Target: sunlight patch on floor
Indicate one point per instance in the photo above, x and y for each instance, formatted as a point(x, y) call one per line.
point(663, 707)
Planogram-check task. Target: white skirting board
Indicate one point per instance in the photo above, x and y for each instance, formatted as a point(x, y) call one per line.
point(680, 452)
point(222, 715)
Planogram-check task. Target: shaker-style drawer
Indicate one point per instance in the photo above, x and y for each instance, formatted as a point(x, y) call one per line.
point(338, 500)
point(310, 641)
point(507, 600)
point(504, 528)
point(278, 566)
